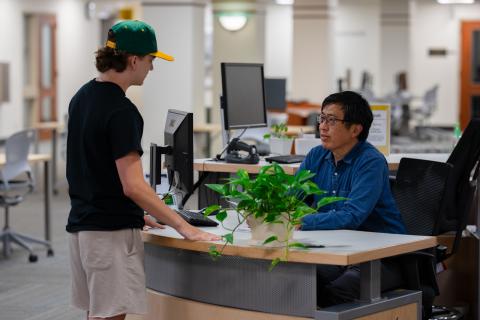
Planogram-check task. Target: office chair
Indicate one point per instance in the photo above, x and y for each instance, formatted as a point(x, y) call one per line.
point(461, 190)
point(429, 104)
point(13, 190)
point(419, 187)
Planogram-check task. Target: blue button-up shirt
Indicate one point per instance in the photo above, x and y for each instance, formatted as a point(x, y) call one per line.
point(362, 177)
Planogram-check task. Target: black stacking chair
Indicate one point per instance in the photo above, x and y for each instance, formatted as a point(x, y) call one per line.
point(419, 188)
point(460, 197)
point(462, 183)
point(453, 208)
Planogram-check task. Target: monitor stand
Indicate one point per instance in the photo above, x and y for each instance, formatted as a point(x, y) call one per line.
point(177, 194)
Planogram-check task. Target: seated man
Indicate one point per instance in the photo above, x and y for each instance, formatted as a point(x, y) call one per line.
point(346, 165)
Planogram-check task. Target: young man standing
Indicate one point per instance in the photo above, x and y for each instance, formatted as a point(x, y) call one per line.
point(107, 188)
point(346, 165)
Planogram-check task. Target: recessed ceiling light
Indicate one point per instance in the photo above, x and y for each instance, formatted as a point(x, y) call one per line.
point(285, 2)
point(456, 1)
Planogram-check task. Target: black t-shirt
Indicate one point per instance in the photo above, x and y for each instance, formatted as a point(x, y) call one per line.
point(103, 126)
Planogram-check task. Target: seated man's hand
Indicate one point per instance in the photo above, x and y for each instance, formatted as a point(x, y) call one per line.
point(150, 222)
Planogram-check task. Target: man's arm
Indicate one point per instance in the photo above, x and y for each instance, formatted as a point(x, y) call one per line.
point(136, 188)
point(367, 187)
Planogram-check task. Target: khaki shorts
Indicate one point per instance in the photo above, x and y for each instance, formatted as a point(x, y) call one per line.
point(108, 275)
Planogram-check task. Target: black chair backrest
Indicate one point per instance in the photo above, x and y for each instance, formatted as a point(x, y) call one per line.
point(462, 183)
point(418, 190)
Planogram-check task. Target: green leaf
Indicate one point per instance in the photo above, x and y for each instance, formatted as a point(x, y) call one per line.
point(328, 200)
point(219, 188)
point(228, 238)
point(263, 171)
point(243, 174)
point(297, 245)
point(270, 239)
point(267, 136)
point(221, 215)
point(211, 209)
point(214, 253)
point(310, 187)
point(304, 175)
point(274, 263)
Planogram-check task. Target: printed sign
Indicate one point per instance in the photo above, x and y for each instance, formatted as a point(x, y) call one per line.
point(379, 134)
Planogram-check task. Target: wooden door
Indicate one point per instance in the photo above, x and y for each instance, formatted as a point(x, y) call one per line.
point(47, 82)
point(470, 72)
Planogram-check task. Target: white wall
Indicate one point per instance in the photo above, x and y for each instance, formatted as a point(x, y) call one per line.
point(394, 43)
point(313, 59)
point(77, 40)
point(357, 40)
point(11, 52)
point(278, 42)
point(245, 45)
point(177, 84)
point(438, 26)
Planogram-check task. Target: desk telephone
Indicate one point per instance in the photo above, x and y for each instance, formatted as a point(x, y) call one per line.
point(234, 155)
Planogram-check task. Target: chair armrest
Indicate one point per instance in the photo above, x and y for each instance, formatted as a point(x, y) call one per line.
point(441, 253)
point(419, 270)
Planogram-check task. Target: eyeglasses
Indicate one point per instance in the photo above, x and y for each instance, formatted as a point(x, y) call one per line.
point(331, 120)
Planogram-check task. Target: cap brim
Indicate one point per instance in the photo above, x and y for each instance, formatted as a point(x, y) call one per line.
point(162, 55)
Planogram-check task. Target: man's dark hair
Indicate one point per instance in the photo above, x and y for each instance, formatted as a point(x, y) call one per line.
point(107, 58)
point(355, 108)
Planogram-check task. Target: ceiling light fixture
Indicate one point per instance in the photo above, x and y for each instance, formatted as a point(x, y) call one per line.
point(233, 21)
point(285, 2)
point(456, 1)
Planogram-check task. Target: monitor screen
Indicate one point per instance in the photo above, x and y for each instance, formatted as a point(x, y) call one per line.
point(275, 94)
point(179, 136)
point(243, 95)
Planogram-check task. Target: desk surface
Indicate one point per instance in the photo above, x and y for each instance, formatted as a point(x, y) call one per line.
point(297, 130)
point(221, 166)
point(216, 127)
point(342, 247)
point(393, 160)
point(34, 157)
point(48, 125)
point(207, 127)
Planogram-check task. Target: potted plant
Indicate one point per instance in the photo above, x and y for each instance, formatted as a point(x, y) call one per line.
point(280, 143)
point(273, 204)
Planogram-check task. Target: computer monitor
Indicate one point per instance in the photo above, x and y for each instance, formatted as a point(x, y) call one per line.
point(178, 151)
point(243, 100)
point(179, 135)
point(275, 94)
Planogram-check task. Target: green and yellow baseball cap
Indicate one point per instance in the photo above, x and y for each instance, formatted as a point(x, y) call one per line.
point(135, 37)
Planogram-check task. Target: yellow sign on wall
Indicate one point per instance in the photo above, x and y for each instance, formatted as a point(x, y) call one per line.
point(379, 134)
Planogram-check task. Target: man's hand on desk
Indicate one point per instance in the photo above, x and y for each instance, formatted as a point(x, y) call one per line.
point(151, 223)
point(192, 233)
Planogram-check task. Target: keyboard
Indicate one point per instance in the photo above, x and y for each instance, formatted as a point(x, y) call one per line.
point(290, 158)
point(196, 218)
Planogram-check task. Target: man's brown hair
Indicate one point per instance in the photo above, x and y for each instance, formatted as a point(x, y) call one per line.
point(107, 58)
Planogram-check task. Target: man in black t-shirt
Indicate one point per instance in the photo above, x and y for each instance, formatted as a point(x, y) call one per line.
point(107, 188)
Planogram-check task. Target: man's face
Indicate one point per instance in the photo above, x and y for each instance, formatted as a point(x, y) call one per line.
point(335, 135)
point(142, 65)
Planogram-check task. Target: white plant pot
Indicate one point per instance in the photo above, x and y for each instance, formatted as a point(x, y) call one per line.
point(304, 145)
point(261, 231)
point(280, 146)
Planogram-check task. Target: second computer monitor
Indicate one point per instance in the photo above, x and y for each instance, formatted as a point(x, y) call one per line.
point(179, 162)
point(243, 95)
point(275, 94)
